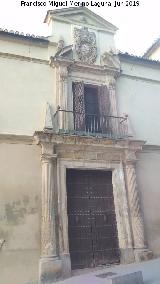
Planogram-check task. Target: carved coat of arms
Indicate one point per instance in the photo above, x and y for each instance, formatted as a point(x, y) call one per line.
point(85, 45)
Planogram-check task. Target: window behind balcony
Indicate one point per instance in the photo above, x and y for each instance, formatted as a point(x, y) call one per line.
point(91, 107)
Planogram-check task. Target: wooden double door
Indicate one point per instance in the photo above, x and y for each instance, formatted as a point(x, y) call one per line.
point(92, 225)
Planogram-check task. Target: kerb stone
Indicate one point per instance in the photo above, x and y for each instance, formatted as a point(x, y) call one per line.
point(132, 278)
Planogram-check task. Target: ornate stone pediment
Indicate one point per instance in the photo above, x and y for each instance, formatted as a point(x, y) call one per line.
point(85, 45)
point(80, 15)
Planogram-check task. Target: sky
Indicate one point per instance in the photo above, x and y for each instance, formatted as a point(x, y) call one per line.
point(138, 26)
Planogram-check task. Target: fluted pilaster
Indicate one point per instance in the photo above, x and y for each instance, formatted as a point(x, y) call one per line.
point(50, 264)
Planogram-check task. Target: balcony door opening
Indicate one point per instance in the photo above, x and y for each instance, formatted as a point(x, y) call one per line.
point(92, 118)
point(91, 108)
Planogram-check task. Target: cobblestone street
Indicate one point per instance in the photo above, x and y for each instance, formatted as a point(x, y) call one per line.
point(150, 270)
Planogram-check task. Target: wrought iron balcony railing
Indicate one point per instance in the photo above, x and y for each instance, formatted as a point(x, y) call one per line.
point(70, 122)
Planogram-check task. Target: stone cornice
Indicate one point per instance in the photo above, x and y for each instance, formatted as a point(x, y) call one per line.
point(25, 39)
point(150, 148)
point(23, 58)
point(17, 139)
point(95, 69)
point(125, 57)
point(50, 137)
point(140, 78)
point(76, 22)
point(65, 15)
point(82, 67)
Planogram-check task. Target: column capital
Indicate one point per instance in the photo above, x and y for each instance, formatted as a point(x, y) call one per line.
point(47, 148)
point(130, 163)
point(45, 158)
point(130, 158)
point(112, 83)
point(63, 72)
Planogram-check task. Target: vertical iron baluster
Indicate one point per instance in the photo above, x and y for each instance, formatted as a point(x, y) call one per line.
point(101, 123)
point(113, 127)
point(97, 126)
point(85, 128)
point(91, 123)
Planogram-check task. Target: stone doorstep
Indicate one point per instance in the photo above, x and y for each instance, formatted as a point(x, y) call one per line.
point(131, 278)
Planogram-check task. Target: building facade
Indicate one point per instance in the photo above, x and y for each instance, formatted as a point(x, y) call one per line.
point(79, 146)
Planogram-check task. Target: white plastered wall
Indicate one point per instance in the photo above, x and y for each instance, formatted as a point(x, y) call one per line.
point(20, 207)
point(26, 47)
point(148, 179)
point(138, 95)
point(25, 89)
point(155, 54)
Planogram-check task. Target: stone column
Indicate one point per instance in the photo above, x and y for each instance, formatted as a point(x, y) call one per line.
point(139, 243)
point(50, 265)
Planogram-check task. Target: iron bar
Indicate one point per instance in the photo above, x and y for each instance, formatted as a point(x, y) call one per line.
point(67, 121)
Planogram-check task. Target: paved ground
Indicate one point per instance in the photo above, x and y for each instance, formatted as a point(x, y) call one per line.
point(150, 270)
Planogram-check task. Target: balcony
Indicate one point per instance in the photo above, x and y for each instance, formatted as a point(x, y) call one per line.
point(69, 122)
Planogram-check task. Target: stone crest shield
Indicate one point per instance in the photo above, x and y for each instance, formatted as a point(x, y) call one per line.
point(85, 45)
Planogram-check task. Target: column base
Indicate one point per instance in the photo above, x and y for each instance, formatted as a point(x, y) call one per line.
point(49, 269)
point(127, 256)
point(66, 265)
point(142, 254)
